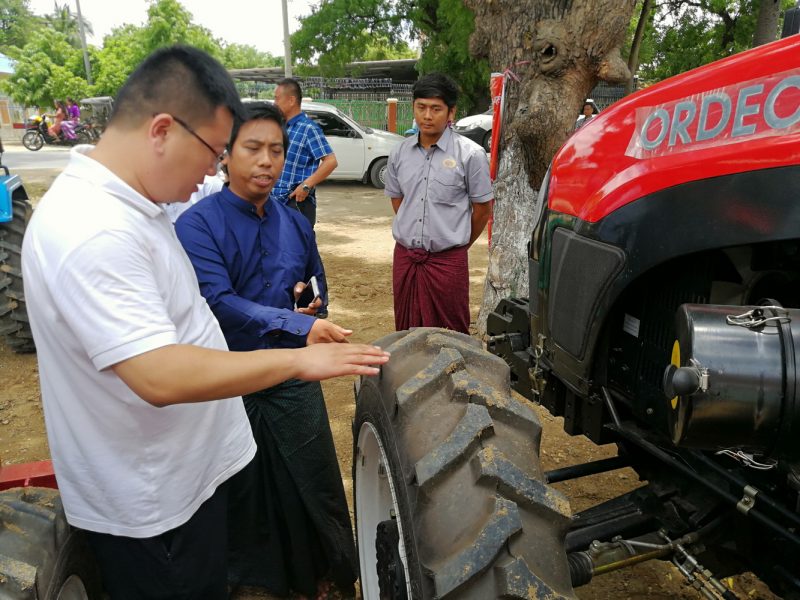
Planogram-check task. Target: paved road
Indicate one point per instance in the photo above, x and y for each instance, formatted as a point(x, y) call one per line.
point(18, 158)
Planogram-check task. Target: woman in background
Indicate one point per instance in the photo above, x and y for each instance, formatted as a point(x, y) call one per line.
point(58, 119)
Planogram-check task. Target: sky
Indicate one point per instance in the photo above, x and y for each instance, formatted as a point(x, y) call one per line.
point(254, 22)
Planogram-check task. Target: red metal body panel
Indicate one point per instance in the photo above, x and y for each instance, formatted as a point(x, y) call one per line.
point(39, 474)
point(738, 114)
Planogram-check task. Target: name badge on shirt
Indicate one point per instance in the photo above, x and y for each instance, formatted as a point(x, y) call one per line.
point(449, 163)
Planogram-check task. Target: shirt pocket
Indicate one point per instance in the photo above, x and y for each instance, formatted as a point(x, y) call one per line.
point(448, 187)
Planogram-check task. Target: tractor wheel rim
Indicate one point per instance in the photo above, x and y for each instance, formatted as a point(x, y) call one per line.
point(376, 501)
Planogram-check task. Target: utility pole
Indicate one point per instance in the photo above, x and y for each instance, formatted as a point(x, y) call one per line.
point(83, 44)
point(287, 45)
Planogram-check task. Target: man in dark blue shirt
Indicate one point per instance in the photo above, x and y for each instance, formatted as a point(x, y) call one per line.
point(289, 526)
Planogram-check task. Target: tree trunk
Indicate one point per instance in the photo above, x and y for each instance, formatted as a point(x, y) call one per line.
point(636, 44)
point(559, 50)
point(767, 23)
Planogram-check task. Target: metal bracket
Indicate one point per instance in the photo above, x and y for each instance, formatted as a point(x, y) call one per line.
point(756, 317)
point(748, 501)
point(702, 372)
point(535, 373)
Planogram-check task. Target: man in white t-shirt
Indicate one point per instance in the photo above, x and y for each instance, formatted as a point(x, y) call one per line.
point(130, 354)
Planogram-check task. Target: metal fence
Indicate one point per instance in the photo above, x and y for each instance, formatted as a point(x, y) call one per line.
point(364, 100)
point(374, 113)
point(605, 94)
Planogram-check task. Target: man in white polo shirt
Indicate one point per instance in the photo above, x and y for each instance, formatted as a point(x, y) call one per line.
point(129, 352)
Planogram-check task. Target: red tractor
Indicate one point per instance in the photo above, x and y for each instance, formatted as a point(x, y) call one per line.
point(663, 315)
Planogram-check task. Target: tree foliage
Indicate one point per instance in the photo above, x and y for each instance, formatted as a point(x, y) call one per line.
point(47, 68)
point(242, 56)
point(49, 64)
point(446, 27)
point(338, 32)
point(63, 20)
point(685, 34)
point(168, 22)
point(122, 50)
point(380, 48)
point(16, 24)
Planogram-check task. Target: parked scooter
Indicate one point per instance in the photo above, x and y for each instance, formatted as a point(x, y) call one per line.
point(37, 135)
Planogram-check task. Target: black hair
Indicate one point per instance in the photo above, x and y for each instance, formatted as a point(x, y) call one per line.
point(180, 80)
point(292, 87)
point(261, 110)
point(436, 85)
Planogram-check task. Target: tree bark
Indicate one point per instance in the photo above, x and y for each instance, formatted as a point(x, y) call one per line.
point(636, 44)
point(767, 23)
point(559, 50)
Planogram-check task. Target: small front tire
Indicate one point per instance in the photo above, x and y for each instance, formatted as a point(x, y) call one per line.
point(377, 173)
point(33, 140)
point(487, 141)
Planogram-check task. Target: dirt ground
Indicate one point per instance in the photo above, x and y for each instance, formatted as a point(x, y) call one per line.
point(354, 235)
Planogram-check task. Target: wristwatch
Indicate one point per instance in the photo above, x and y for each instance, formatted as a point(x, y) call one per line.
point(307, 189)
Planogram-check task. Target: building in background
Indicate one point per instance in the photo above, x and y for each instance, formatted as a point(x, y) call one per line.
point(12, 115)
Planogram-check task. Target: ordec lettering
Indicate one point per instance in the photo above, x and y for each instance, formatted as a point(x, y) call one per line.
point(745, 110)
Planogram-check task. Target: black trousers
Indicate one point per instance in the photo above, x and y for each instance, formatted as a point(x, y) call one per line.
point(308, 209)
point(185, 563)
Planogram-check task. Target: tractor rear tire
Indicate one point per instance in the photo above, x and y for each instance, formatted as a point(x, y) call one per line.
point(14, 323)
point(448, 490)
point(41, 556)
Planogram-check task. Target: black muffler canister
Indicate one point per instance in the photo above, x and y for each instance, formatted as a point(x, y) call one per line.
point(733, 378)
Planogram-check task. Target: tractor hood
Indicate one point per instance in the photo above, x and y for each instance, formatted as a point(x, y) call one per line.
point(738, 114)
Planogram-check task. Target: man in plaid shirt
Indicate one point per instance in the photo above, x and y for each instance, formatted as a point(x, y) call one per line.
point(309, 157)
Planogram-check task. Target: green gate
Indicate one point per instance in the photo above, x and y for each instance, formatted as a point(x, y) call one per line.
point(374, 113)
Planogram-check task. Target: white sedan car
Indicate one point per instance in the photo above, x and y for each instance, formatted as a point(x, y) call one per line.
point(362, 152)
point(478, 128)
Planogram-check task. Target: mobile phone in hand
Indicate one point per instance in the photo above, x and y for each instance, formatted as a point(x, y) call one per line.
point(309, 294)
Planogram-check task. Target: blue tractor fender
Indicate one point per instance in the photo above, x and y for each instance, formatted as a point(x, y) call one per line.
point(8, 184)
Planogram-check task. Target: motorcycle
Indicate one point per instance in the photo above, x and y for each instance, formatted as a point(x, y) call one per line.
point(37, 134)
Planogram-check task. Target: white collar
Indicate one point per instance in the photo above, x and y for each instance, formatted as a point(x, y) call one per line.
point(84, 167)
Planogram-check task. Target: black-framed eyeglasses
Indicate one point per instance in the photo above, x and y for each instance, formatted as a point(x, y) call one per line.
point(188, 128)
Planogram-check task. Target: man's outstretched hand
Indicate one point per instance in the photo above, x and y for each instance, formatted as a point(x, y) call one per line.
point(323, 361)
point(324, 331)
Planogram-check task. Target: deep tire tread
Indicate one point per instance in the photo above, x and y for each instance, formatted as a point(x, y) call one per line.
point(38, 549)
point(458, 371)
point(517, 581)
point(457, 446)
point(504, 522)
point(446, 362)
point(490, 464)
point(15, 325)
